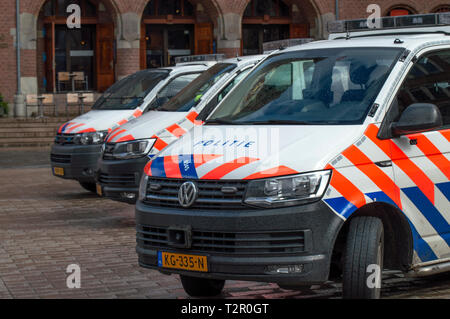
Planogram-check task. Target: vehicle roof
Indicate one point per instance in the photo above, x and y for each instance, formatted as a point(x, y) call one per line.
point(188, 67)
point(242, 60)
point(365, 39)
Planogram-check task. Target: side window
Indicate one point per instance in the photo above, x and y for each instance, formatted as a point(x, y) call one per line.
point(428, 82)
point(231, 85)
point(172, 89)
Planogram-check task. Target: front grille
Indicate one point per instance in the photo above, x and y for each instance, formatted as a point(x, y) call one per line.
point(64, 139)
point(58, 158)
point(239, 243)
point(210, 194)
point(108, 153)
point(122, 180)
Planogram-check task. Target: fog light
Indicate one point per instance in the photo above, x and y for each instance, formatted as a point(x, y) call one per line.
point(285, 269)
point(88, 172)
point(128, 195)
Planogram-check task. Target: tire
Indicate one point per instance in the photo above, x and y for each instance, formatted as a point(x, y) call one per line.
point(201, 287)
point(364, 247)
point(91, 187)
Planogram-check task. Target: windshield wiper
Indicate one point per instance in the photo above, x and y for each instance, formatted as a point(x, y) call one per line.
point(273, 122)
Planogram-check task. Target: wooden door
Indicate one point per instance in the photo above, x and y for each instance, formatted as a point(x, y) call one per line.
point(203, 38)
point(299, 31)
point(105, 56)
point(49, 57)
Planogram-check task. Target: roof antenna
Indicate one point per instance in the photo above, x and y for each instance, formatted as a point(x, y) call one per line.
point(237, 57)
point(347, 36)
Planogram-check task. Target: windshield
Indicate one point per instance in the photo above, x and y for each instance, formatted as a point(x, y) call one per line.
point(192, 94)
point(130, 92)
point(327, 86)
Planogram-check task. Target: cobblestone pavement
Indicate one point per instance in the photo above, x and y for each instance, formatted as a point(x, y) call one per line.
point(47, 223)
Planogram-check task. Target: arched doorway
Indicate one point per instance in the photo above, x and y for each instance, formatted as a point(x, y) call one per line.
point(442, 8)
point(173, 28)
point(87, 52)
point(268, 20)
point(398, 11)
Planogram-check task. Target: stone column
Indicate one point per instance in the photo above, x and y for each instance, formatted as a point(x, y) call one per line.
point(128, 44)
point(229, 34)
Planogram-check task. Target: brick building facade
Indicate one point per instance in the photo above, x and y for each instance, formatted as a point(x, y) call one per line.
point(125, 39)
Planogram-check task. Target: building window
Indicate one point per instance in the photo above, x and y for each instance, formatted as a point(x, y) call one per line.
point(181, 8)
point(399, 11)
point(442, 9)
point(272, 8)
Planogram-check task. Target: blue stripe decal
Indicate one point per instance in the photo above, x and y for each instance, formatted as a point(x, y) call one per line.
point(429, 211)
point(342, 206)
point(158, 167)
point(160, 263)
point(421, 247)
point(382, 198)
point(64, 127)
point(445, 189)
point(187, 166)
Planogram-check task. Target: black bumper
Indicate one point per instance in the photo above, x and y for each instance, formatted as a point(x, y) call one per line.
point(79, 162)
point(318, 224)
point(117, 177)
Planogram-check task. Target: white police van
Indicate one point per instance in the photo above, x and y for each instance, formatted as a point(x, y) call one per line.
point(78, 143)
point(330, 160)
point(128, 148)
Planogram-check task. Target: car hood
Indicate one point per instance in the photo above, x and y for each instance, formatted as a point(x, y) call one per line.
point(148, 125)
point(99, 120)
point(251, 152)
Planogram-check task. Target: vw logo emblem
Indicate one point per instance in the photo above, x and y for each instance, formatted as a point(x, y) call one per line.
point(187, 195)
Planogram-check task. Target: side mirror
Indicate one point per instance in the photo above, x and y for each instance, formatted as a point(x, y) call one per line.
point(418, 118)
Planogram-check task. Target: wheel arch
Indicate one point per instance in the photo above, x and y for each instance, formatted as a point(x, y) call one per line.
point(399, 241)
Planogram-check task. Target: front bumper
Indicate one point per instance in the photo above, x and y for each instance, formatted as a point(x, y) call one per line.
point(318, 224)
point(121, 177)
point(78, 161)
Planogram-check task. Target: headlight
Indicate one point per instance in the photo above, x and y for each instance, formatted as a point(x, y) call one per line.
point(143, 187)
point(287, 191)
point(133, 149)
point(92, 138)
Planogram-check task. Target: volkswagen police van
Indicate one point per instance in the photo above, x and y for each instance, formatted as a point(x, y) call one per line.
point(78, 143)
point(129, 147)
point(330, 161)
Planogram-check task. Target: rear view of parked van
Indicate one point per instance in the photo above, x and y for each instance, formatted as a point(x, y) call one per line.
point(330, 161)
point(78, 143)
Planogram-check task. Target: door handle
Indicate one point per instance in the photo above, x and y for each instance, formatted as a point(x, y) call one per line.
point(384, 164)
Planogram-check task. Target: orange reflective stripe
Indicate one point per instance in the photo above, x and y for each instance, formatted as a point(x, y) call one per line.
point(137, 113)
point(226, 168)
point(73, 128)
point(192, 117)
point(402, 160)
point(200, 159)
point(276, 171)
point(433, 153)
point(148, 169)
point(126, 138)
point(159, 144)
point(380, 178)
point(89, 130)
point(116, 134)
point(176, 130)
point(446, 134)
point(347, 189)
point(172, 167)
point(122, 122)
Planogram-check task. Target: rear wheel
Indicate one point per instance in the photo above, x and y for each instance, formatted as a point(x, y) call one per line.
point(363, 259)
point(202, 287)
point(91, 187)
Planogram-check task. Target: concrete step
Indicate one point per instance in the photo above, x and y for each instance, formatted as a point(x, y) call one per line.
point(27, 134)
point(26, 141)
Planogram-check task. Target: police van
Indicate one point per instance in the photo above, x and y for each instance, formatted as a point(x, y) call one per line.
point(128, 148)
point(329, 161)
point(78, 143)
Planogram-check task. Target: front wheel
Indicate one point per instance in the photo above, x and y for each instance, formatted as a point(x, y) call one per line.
point(363, 259)
point(201, 287)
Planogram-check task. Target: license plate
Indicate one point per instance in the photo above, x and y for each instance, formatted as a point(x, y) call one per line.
point(183, 262)
point(99, 190)
point(58, 171)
